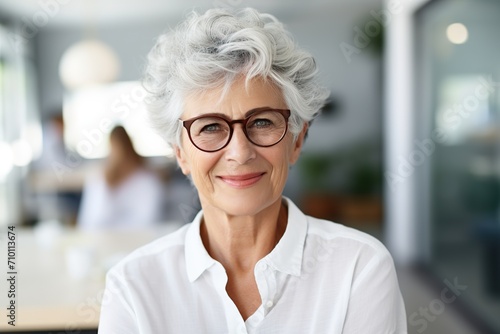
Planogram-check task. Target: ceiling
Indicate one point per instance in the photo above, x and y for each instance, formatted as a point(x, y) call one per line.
point(77, 12)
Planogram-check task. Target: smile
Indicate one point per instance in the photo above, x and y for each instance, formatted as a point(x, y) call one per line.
point(241, 181)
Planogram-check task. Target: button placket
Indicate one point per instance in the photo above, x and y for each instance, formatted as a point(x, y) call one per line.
point(267, 284)
point(272, 290)
point(255, 319)
point(234, 319)
point(261, 280)
point(242, 329)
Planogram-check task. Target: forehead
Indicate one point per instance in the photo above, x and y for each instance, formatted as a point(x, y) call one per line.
point(236, 100)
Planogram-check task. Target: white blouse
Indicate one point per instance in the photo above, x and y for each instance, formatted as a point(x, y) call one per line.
point(321, 277)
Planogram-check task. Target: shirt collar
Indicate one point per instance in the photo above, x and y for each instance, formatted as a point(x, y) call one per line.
point(285, 257)
point(197, 258)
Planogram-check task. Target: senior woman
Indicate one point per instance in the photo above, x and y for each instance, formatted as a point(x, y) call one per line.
point(233, 95)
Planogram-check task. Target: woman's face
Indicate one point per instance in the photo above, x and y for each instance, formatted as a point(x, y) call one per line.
point(242, 178)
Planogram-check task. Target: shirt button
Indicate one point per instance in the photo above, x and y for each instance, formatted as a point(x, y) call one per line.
point(262, 266)
point(269, 303)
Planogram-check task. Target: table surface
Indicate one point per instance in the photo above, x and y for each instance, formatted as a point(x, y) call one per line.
point(48, 296)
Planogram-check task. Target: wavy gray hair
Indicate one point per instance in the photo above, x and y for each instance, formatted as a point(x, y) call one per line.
point(212, 49)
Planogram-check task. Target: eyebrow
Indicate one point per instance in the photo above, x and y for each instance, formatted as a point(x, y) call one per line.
point(248, 113)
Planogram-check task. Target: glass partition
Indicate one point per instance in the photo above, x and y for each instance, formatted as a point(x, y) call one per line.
point(457, 99)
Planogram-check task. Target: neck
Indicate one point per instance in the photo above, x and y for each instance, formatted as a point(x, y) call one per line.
point(238, 242)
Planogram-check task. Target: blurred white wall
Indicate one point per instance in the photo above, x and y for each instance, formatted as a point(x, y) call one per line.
point(318, 28)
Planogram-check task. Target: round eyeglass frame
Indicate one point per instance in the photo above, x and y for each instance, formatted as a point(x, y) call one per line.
point(284, 112)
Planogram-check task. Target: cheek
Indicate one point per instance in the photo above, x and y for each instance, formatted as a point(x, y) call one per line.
point(280, 162)
point(201, 166)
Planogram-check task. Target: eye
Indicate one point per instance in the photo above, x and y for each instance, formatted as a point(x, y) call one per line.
point(261, 123)
point(214, 127)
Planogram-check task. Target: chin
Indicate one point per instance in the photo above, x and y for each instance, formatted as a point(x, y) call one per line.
point(249, 204)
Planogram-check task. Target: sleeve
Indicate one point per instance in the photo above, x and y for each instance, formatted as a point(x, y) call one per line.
point(376, 305)
point(117, 312)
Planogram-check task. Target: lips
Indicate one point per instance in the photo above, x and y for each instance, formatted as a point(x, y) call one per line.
point(242, 180)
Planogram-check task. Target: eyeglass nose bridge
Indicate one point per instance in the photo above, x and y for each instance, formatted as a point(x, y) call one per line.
point(243, 123)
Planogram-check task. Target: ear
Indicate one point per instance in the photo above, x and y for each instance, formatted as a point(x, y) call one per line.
point(181, 160)
point(297, 145)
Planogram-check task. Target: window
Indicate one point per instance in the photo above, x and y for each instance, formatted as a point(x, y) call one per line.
point(91, 113)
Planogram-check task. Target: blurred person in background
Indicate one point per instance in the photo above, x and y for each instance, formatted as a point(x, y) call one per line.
point(53, 142)
point(126, 194)
point(233, 95)
point(51, 199)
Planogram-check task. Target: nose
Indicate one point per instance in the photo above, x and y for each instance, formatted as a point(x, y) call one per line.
point(240, 149)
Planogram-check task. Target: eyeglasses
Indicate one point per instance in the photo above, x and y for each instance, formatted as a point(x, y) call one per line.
point(263, 127)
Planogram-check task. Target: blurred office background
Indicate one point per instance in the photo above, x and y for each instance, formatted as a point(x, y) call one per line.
point(406, 148)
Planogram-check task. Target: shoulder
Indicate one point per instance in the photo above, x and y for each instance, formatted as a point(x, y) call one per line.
point(145, 181)
point(339, 235)
point(357, 257)
point(337, 239)
point(94, 178)
point(355, 253)
point(159, 254)
point(146, 175)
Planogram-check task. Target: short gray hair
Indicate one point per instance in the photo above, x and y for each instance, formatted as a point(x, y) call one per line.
point(212, 49)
